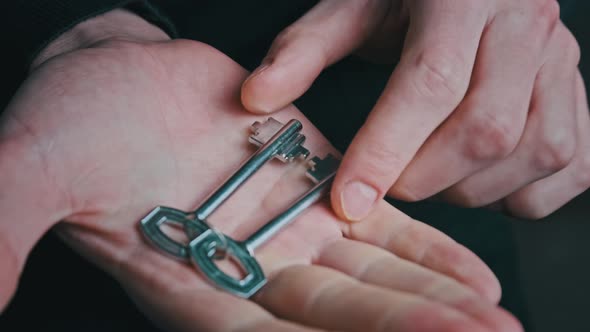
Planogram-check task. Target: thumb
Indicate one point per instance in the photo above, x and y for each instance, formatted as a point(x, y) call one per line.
point(327, 33)
point(30, 203)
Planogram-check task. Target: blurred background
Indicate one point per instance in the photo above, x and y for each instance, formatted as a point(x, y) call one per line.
point(543, 265)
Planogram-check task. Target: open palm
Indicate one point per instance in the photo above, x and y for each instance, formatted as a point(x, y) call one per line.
point(98, 137)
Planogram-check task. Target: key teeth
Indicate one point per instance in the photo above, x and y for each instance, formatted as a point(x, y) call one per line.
point(313, 162)
point(319, 169)
point(255, 132)
point(329, 160)
point(303, 155)
point(258, 136)
point(255, 127)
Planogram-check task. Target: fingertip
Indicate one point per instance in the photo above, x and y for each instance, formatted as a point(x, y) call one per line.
point(357, 199)
point(336, 204)
point(486, 284)
point(256, 90)
point(478, 275)
point(353, 200)
point(490, 287)
point(462, 264)
point(356, 191)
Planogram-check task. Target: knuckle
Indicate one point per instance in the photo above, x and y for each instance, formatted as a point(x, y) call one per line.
point(548, 11)
point(442, 76)
point(490, 138)
point(532, 21)
point(570, 49)
point(555, 151)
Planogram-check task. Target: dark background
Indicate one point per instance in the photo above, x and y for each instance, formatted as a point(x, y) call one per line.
point(542, 265)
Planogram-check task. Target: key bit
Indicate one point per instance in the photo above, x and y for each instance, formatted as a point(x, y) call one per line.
point(262, 132)
point(319, 168)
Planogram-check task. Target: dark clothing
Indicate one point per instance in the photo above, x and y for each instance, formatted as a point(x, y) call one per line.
point(61, 292)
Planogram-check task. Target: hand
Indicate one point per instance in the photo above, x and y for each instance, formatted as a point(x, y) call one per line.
point(97, 137)
point(486, 106)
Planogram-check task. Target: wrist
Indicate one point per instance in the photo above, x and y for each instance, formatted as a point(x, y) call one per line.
point(118, 24)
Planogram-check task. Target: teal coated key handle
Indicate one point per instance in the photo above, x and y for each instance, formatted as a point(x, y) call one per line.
point(203, 254)
point(151, 227)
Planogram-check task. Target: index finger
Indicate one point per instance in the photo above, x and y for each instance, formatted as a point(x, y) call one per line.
point(428, 84)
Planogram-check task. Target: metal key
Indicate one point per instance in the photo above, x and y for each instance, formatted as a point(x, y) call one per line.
point(203, 248)
point(274, 139)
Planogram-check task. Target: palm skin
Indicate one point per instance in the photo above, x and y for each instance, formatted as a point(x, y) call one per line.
point(100, 136)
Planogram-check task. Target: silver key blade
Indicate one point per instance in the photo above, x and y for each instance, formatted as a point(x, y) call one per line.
point(319, 168)
point(262, 132)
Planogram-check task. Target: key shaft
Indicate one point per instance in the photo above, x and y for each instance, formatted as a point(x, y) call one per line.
point(265, 153)
point(328, 167)
point(275, 225)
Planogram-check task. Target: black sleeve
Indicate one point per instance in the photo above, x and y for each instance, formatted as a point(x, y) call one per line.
point(28, 26)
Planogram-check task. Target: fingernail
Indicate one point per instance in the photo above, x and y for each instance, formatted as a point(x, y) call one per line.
point(357, 199)
point(254, 99)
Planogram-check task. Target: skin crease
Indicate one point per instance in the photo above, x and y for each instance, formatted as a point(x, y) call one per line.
point(485, 99)
point(98, 137)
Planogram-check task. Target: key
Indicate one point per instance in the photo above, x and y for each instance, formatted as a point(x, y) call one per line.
point(281, 143)
point(321, 169)
point(274, 140)
point(264, 131)
point(203, 248)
